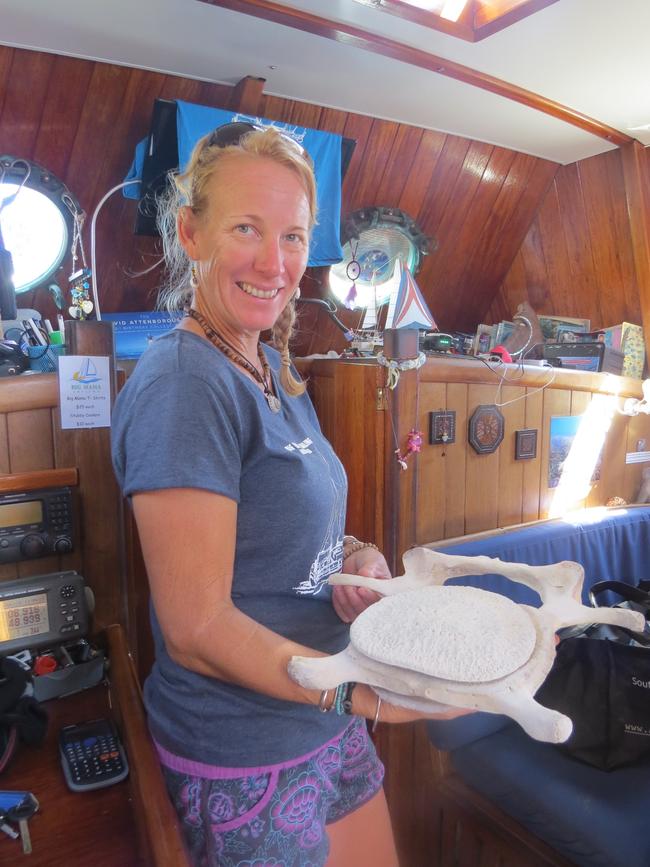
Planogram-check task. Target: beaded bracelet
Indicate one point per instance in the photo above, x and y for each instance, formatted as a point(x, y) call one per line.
point(342, 702)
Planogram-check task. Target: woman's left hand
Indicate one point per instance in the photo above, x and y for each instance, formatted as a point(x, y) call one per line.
point(349, 602)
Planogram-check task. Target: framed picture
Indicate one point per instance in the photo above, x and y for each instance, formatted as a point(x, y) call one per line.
point(525, 444)
point(563, 432)
point(486, 427)
point(553, 326)
point(442, 427)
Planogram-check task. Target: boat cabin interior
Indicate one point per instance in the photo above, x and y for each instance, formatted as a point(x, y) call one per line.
point(473, 326)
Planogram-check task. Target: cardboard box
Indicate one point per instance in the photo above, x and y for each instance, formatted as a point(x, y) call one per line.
point(629, 339)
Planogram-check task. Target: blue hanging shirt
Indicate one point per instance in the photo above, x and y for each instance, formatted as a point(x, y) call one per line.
point(194, 121)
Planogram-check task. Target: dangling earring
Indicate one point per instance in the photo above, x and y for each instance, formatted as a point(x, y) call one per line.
point(194, 280)
point(296, 294)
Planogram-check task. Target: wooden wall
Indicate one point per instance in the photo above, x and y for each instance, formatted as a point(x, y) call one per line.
point(83, 119)
point(36, 452)
point(577, 258)
point(450, 491)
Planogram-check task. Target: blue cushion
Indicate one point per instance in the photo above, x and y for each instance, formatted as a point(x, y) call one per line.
point(594, 818)
point(449, 734)
point(609, 544)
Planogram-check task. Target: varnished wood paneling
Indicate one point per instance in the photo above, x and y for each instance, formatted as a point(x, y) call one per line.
point(430, 468)
point(85, 119)
point(448, 491)
point(32, 481)
point(30, 441)
point(482, 472)
point(531, 483)
point(578, 257)
point(511, 472)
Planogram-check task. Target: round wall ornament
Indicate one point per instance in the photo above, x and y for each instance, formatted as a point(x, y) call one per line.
point(486, 426)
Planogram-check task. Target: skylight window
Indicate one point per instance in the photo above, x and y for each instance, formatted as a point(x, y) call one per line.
point(471, 20)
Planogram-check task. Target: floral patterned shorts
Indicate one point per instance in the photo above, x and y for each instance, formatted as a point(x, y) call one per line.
point(273, 816)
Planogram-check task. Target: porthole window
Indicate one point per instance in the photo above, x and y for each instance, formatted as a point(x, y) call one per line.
point(37, 213)
point(373, 239)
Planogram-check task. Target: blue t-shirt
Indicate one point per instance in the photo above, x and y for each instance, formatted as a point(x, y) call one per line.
point(187, 417)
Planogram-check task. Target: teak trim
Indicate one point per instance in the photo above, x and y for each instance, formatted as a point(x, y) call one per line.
point(355, 37)
point(34, 481)
point(476, 23)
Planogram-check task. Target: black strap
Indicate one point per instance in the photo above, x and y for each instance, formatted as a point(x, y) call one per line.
point(625, 591)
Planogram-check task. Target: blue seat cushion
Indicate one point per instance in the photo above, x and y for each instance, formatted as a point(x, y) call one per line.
point(594, 818)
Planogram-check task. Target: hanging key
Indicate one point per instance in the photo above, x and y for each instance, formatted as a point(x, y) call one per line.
point(21, 813)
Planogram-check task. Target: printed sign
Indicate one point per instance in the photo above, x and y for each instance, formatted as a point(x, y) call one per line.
point(84, 391)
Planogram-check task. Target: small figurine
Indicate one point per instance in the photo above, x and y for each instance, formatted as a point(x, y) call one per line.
point(413, 444)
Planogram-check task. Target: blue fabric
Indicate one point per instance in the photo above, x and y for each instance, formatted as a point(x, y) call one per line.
point(135, 172)
point(613, 544)
point(195, 121)
point(189, 418)
point(594, 818)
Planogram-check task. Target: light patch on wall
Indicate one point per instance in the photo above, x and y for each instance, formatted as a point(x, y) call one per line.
point(576, 468)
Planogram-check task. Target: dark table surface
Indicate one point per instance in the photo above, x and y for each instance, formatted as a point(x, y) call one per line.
point(70, 829)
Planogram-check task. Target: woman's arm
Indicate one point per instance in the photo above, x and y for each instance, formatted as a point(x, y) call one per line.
point(188, 542)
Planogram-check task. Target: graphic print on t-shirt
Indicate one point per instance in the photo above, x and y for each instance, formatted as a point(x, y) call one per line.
point(330, 554)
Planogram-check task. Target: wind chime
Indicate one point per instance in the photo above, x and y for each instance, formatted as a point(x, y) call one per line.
point(79, 280)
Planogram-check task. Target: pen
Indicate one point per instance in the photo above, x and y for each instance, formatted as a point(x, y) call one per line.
point(48, 326)
point(61, 327)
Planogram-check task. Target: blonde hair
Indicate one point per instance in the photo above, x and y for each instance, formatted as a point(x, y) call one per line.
point(189, 188)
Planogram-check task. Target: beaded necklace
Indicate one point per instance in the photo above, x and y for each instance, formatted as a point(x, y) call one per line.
point(264, 379)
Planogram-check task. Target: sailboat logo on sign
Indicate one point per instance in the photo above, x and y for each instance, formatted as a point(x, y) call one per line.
point(87, 372)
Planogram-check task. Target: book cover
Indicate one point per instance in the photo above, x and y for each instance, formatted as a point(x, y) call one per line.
point(134, 332)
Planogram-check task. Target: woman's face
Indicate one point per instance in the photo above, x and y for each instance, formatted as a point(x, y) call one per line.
point(250, 245)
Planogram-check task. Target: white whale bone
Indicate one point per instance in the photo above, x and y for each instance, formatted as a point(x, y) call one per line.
point(559, 586)
point(424, 567)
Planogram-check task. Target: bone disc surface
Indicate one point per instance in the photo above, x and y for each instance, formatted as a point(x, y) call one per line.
point(456, 633)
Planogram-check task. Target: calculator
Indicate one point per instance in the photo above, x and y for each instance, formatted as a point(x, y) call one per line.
point(92, 755)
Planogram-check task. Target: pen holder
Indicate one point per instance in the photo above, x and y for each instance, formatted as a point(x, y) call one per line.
point(45, 359)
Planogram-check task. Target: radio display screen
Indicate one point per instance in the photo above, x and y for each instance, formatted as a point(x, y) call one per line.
point(24, 617)
point(17, 514)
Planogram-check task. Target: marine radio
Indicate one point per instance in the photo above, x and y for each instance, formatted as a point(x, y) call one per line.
point(35, 524)
point(42, 610)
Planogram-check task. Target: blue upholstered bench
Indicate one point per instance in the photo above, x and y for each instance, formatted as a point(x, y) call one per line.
point(592, 818)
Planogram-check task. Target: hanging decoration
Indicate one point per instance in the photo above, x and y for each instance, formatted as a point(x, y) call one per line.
point(352, 272)
point(413, 445)
point(79, 280)
point(396, 365)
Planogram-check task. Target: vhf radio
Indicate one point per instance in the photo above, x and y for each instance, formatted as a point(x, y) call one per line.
point(35, 524)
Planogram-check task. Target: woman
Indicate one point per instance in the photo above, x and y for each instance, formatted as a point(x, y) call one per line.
point(240, 506)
